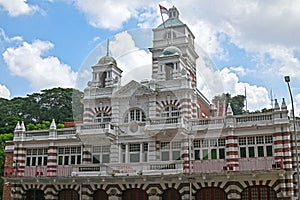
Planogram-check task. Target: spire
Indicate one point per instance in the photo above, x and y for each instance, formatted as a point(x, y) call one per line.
point(23, 126)
point(18, 127)
point(53, 125)
point(283, 104)
point(276, 106)
point(229, 110)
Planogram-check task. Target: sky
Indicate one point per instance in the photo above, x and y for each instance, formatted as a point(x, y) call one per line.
point(243, 45)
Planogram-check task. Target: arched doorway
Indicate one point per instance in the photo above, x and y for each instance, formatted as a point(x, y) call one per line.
point(100, 195)
point(259, 192)
point(211, 193)
point(35, 194)
point(135, 194)
point(171, 194)
point(68, 195)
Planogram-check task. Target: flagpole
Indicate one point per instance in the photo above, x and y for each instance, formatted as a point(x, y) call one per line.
point(162, 18)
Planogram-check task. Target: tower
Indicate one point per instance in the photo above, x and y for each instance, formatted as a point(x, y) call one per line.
point(173, 51)
point(106, 79)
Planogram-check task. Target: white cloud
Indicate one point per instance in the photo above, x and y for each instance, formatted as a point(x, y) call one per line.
point(214, 82)
point(135, 62)
point(18, 7)
point(27, 61)
point(4, 92)
point(106, 14)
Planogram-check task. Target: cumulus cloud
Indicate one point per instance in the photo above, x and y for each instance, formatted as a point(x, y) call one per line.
point(214, 82)
point(4, 92)
point(135, 62)
point(28, 61)
point(16, 8)
point(106, 14)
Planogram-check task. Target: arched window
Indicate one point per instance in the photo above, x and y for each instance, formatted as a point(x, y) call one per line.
point(35, 194)
point(135, 114)
point(211, 193)
point(170, 111)
point(68, 195)
point(102, 117)
point(135, 194)
point(171, 194)
point(100, 195)
point(259, 192)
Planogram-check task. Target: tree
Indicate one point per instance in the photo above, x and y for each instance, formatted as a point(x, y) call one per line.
point(237, 102)
point(61, 104)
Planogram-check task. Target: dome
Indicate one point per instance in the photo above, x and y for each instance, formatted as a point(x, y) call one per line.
point(172, 50)
point(107, 60)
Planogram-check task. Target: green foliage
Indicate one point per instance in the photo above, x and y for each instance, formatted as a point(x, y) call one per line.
point(3, 139)
point(38, 109)
point(236, 102)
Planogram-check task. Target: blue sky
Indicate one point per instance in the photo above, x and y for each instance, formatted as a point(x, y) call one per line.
point(249, 44)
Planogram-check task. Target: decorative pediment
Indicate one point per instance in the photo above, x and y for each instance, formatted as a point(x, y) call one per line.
point(131, 89)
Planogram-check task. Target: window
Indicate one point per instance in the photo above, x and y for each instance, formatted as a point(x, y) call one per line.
point(170, 150)
point(69, 155)
point(209, 149)
point(102, 117)
point(256, 146)
point(137, 152)
point(135, 115)
point(170, 111)
point(101, 154)
point(36, 157)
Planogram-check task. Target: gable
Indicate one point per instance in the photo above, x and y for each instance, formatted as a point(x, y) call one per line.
point(132, 88)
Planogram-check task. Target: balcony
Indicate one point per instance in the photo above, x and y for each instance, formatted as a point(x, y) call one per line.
point(164, 123)
point(96, 132)
point(38, 171)
point(147, 168)
point(208, 166)
point(261, 163)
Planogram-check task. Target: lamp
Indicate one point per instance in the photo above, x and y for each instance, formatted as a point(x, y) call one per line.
point(287, 80)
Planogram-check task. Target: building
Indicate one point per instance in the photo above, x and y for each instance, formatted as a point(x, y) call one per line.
point(155, 140)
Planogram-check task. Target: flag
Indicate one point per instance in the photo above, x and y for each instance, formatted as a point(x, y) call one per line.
point(163, 10)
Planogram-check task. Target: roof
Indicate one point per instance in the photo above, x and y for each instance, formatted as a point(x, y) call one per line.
point(171, 22)
point(107, 60)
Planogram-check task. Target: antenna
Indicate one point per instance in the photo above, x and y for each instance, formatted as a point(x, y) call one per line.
point(246, 103)
point(272, 99)
point(107, 48)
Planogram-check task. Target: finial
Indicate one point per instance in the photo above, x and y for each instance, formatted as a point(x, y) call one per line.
point(283, 105)
point(107, 48)
point(53, 124)
point(18, 127)
point(276, 106)
point(229, 110)
point(23, 126)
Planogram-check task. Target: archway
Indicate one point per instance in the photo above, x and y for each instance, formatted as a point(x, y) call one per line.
point(259, 192)
point(211, 193)
point(68, 194)
point(135, 194)
point(35, 194)
point(171, 194)
point(100, 195)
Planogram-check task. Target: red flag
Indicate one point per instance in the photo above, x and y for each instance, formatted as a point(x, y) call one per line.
point(163, 10)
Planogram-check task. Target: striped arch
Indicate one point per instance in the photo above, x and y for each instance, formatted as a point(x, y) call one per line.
point(182, 188)
point(90, 189)
point(20, 190)
point(90, 113)
point(198, 185)
point(162, 104)
point(236, 187)
point(55, 189)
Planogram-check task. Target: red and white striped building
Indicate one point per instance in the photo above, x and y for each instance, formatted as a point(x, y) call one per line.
point(155, 140)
